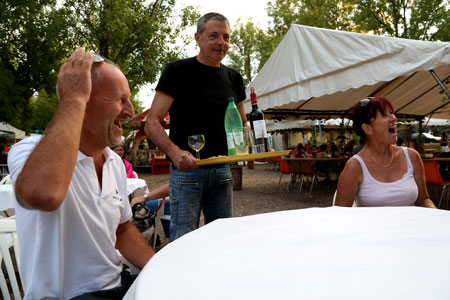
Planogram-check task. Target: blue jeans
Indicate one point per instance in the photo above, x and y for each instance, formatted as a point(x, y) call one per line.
point(208, 189)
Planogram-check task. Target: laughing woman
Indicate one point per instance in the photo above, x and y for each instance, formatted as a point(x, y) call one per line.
point(382, 174)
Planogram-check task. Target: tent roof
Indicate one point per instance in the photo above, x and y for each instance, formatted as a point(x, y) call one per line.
point(324, 72)
point(8, 129)
point(287, 125)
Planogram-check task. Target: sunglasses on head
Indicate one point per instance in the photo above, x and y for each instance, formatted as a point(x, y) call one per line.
point(365, 101)
point(98, 58)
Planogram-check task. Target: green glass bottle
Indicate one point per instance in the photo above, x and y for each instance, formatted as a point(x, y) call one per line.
point(232, 121)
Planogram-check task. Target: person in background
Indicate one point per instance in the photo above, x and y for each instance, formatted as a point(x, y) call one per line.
point(322, 153)
point(359, 147)
point(333, 149)
point(382, 174)
point(195, 92)
point(72, 209)
point(299, 151)
point(348, 148)
point(444, 142)
point(121, 152)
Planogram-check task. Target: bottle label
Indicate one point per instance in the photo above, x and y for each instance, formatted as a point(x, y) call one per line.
point(230, 140)
point(260, 129)
point(238, 137)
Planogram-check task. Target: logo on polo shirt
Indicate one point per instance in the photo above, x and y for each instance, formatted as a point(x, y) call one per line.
point(117, 193)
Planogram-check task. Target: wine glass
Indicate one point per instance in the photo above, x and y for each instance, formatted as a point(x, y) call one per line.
point(196, 142)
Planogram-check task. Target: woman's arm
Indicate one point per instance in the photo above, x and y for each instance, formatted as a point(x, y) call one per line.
point(161, 192)
point(423, 199)
point(348, 184)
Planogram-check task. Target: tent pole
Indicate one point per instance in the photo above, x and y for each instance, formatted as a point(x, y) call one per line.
point(442, 85)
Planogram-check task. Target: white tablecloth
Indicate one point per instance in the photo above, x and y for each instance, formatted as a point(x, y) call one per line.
point(134, 184)
point(316, 253)
point(7, 196)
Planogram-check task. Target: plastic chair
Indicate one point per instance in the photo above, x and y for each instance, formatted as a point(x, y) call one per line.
point(160, 215)
point(135, 174)
point(334, 200)
point(284, 168)
point(8, 238)
point(303, 169)
point(6, 180)
point(433, 177)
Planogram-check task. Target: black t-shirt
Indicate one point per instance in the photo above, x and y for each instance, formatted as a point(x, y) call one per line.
point(200, 94)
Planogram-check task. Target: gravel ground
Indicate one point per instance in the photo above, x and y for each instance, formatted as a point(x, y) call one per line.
point(260, 193)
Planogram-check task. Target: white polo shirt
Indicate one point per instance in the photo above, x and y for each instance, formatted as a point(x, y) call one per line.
point(71, 251)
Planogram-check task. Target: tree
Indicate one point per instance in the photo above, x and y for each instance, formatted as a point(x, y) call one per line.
point(244, 51)
point(37, 36)
point(43, 107)
point(30, 51)
point(137, 35)
point(333, 14)
point(412, 19)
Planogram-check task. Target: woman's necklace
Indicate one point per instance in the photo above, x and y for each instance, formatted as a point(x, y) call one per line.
point(380, 165)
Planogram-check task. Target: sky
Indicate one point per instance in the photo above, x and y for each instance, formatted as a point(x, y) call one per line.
point(232, 10)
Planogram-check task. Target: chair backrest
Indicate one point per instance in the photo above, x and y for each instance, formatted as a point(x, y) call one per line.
point(6, 180)
point(432, 174)
point(284, 166)
point(334, 200)
point(8, 238)
point(135, 174)
point(307, 168)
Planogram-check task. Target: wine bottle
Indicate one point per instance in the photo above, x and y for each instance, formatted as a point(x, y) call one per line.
point(232, 121)
point(258, 125)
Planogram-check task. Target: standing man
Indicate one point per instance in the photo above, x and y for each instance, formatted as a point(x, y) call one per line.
point(195, 92)
point(72, 209)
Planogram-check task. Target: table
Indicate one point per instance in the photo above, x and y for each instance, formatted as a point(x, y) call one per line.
point(7, 196)
point(315, 253)
point(134, 184)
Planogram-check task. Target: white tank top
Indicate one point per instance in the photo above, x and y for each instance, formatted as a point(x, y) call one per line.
point(372, 192)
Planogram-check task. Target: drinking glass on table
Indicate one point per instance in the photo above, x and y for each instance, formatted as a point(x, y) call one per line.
point(196, 142)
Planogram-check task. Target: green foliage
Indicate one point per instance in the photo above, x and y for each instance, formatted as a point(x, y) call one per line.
point(244, 52)
point(37, 36)
point(30, 51)
point(43, 108)
point(412, 19)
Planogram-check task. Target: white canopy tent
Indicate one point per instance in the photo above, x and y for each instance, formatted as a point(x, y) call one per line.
point(286, 125)
point(13, 132)
point(323, 73)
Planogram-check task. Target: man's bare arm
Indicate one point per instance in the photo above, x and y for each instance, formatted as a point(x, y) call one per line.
point(183, 160)
point(44, 188)
point(132, 245)
point(240, 107)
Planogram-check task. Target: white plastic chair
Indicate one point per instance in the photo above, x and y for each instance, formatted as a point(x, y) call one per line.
point(160, 215)
point(9, 211)
point(6, 180)
point(334, 200)
point(8, 238)
point(135, 174)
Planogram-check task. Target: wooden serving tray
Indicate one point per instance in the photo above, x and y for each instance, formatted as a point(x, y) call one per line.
point(241, 157)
